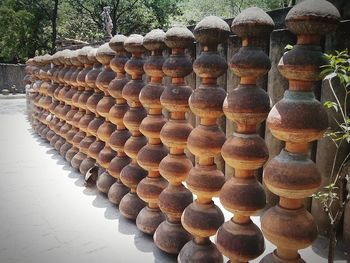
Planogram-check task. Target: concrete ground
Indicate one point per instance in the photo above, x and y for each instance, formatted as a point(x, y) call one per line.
point(48, 215)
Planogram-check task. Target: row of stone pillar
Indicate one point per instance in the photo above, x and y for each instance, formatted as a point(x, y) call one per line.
point(95, 107)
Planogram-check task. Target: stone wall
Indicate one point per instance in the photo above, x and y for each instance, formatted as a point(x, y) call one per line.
point(12, 75)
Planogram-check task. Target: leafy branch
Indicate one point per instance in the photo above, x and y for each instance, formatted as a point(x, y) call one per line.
point(334, 205)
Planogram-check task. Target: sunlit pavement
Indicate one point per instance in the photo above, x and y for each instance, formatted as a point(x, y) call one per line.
point(48, 215)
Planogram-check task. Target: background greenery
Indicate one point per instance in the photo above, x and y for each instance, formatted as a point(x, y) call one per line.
point(31, 27)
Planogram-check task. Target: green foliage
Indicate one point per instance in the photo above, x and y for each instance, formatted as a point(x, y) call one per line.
point(338, 67)
point(192, 11)
point(22, 31)
point(28, 28)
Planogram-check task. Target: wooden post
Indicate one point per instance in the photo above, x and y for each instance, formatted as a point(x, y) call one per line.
point(297, 119)
point(247, 106)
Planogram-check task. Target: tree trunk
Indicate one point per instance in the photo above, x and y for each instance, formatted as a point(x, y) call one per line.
point(54, 26)
point(332, 243)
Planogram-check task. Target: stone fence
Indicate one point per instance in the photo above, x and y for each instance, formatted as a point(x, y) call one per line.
point(11, 76)
point(297, 118)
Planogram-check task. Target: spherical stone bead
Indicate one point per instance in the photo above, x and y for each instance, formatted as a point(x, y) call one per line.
point(245, 151)
point(202, 220)
point(242, 241)
point(291, 229)
point(285, 175)
point(304, 118)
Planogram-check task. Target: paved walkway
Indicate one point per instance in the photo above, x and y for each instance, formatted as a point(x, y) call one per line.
point(48, 215)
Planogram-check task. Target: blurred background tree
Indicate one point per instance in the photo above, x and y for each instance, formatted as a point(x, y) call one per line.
point(31, 27)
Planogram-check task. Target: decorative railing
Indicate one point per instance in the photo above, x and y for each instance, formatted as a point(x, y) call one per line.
point(133, 117)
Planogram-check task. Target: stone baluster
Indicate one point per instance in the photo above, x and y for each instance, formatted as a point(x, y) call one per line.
point(65, 95)
point(247, 106)
point(170, 236)
point(91, 105)
point(61, 110)
point(104, 55)
point(53, 73)
point(35, 94)
point(76, 83)
point(202, 218)
point(119, 137)
point(297, 119)
point(154, 151)
point(132, 174)
point(87, 162)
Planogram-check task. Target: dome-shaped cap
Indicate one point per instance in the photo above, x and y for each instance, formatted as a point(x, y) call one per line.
point(134, 43)
point(252, 22)
point(154, 40)
point(67, 55)
point(105, 49)
point(73, 57)
point(92, 55)
point(62, 56)
point(117, 42)
point(83, 54)
point(211, 30)
point(313, 17)
point(179, 37)
point(104, 53)
point(56, 58)
point(47, 58)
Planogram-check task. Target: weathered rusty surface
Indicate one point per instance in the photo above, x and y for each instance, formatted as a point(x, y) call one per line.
point(116, 113)
point(202, 218)
point(297, 119)
point(245, 151)
point(104, 55)
point(154, 151)
point(170, 236)
point(132, 174)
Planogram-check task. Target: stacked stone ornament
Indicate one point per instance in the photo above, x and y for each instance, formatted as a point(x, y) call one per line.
point(154, 151)
point(104, 55)
point(76, 83)
point(91, 105)
point(119, 137)
point(297, 119)
point(170, 236)
point(65, 95)
point(202, 218)
point(247, 106)
point(132, 174)
point(61, 109)
point(87, 163)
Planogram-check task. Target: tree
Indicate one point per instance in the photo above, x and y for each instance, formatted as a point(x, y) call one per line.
point(192, 11)
point(23, 32)
point(135, 16)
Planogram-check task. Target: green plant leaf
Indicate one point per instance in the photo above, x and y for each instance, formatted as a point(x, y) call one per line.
point(331, 104)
